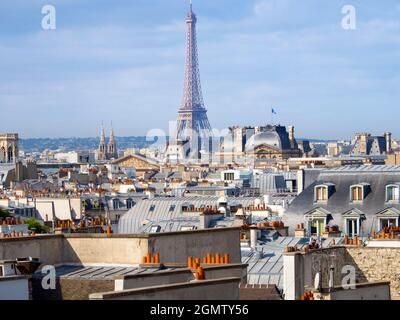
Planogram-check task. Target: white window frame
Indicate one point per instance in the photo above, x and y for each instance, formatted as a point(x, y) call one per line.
point(355, 222)
point(157, 229)
point(188, 228)
point(316, 193)
point(130, 201)
point(396, 219)
point(116, 204)
point(396, 194)
point(352, 193)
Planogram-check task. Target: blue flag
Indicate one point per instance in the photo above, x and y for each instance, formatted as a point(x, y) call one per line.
point(273, 111)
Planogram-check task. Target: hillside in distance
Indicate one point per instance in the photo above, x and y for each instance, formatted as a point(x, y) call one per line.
point(69, 144)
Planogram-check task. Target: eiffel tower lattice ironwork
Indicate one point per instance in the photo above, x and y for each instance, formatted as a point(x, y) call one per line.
point(192, 115)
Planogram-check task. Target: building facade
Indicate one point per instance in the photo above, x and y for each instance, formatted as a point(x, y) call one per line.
point(366, 144)
point(358, 199)
point(107, 151)
point(9, 148)
point(271, 142)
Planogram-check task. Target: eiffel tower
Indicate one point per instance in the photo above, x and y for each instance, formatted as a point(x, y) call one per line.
point(192, 115)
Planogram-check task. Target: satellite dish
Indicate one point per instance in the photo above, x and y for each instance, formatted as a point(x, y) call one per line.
point(317, 281)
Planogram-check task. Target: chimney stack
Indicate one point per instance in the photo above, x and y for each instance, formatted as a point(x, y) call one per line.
point(253, 237)
point(388, 138)
point(291, 133)
point(363, 143)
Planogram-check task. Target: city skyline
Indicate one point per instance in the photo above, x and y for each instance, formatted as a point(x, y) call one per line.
point(125, 62)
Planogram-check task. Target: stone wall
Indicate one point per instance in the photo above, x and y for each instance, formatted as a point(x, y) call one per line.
point(371, 265)
point(121, 249)
point(100, 249)
point(179, 276)
point(368, 291)
point(220, 289)
point(177, 246)
point(377, 264)
point(152, 279)
point(223, 271)
point(70, 289)
point(49, 249)
point(259, 292)
point(321, 261)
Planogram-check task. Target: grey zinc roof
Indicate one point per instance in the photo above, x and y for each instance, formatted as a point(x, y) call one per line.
point(289, 175)
point(270, 182)
point(168, 208)
point(268, 269)
point(275, 136)
point(177, 224)
point(375, 145)
point(99, 272)
point(378, 177)
point(4, 171)
point(364, 168)
point(339, 201)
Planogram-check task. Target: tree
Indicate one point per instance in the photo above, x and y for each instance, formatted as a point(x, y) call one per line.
point(4, 213)
point(33, 224)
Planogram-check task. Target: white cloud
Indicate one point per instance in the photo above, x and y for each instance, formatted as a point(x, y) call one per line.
point(265, 8)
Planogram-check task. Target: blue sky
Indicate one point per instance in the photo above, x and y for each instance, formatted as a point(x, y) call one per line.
point(123, 60)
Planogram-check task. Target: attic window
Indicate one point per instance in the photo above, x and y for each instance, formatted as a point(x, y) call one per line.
point(229, 176)
point(116, 204)
point(129, 203)
point(321, 193)
point(358, 192)
point(155, 229)
point(188, 228)
point(392, 193)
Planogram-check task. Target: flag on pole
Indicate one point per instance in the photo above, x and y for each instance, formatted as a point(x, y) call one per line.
point(273, 111)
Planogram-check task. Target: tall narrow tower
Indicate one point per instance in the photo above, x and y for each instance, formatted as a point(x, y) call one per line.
point(102, 145)
point(112, 146)
point(192, 115)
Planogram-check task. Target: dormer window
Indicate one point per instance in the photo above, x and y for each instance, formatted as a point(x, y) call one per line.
point(323, 192)
point(188, 228)
point(155, 229)
point(359, 192)
point(129, 203)
point(116, 204)
point(393, 193)
point(229, 176)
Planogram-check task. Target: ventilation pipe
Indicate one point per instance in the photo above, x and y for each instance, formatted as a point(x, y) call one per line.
point(253, 238)
point(267, 199)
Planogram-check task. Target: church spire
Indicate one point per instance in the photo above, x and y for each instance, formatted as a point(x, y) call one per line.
point(103, 134)
point(102, 145)
point(112, 146)
point(111, 133)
